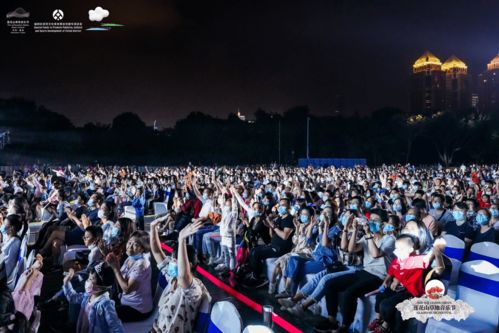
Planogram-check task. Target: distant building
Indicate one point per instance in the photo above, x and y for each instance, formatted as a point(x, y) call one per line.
point(428, 85)
point(457, 85)
point(488, 87)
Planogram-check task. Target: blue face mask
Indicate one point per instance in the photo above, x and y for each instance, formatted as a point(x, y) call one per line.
point(388, 228)
point(482, 219)
point(410, 217)
point(137, 256)
point(394, 196)
point(368, 204)
point(304, 218)
point(265, 202)
point(173, 269)
point(470, 213)
point(205, 196)
point(115, 232)
point(90, 202)
point(437, 205)
point(282, 210)
point(3, 230)
point(374, 227)
point(494, 212)
point(187, 196)
point(353, 206)
point(245, 195)
point(397, 207)
point(458, 215)
point(344, 220)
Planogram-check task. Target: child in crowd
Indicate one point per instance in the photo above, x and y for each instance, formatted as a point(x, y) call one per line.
point(98, 313)
point(404, 280)
point(228, 234)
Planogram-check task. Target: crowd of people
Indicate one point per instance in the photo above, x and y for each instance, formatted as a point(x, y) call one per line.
point(358, 231)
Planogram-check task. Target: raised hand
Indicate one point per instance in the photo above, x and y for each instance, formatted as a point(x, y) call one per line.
point(68, 277)
point(158, 221)
point(112, 260)
point(85, 221)
point(190, 229)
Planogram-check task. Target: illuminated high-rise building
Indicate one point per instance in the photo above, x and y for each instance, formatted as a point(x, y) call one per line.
point(457, 87)
point(488, 86)
point(428, 85)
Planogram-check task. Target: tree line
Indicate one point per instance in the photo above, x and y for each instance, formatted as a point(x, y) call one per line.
point(387, 135)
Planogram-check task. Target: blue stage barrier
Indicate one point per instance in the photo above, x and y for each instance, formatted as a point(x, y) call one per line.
point(337, 162)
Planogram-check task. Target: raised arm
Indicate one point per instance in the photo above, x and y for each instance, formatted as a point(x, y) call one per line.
point(353, 247)
point(156, 250)
point(184, 266)
point(240, 200)
point(196, 190)
point(325, 231)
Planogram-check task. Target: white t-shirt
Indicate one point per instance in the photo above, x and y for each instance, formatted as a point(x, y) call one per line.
point(206, 209)
point(378, 266)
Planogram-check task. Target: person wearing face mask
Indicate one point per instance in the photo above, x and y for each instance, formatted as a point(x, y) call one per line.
point(404, 280)
point(314, 290)
point(204, 216)
point(92, 237)
point(305, 223)
point(282, 229)
point(185, 298)
point(420, 212)
point(98, 312)
point(471, 212)
point(189, 209)
point(228, 234)
point(11, 245)
point(138, 202)
point(486, 233)
point(369, 204)
point(110, 228)
point(438, 211)
point(399, 207)
point(460, 227)
point(378, 253)
point(254, 228)
point(93, 206)
point(494, 213)
point(134, 279)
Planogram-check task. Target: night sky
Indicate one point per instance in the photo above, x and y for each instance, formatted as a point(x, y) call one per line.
point(174, 57)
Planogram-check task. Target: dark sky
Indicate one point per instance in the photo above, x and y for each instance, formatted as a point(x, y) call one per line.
point(174, 57)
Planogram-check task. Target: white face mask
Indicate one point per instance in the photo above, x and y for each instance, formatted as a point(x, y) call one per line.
point(100, 214)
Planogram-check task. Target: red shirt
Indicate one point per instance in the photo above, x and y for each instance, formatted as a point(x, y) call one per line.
point(193, 204)
point(480, 201)
point(410, 273)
